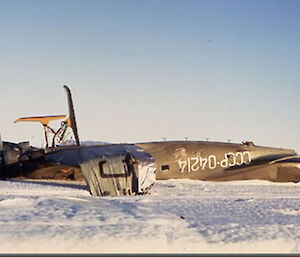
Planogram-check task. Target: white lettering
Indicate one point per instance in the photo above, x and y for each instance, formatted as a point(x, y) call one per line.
point(248, 160)
point(212, 162)
point(193, 164)
point(241, 157)
point(233, 159)
point(203, 162)
point(182, 165)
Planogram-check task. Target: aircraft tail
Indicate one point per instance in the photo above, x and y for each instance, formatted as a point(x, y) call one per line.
point(72, 114)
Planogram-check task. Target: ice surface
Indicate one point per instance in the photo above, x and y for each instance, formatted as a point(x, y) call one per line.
point(181, 216)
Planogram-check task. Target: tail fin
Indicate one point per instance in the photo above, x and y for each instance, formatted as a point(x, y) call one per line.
point(72, 114)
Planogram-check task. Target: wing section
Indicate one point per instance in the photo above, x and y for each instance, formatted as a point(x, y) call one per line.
point(42, 119)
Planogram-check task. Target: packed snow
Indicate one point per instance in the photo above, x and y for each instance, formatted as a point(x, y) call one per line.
point(180, 216)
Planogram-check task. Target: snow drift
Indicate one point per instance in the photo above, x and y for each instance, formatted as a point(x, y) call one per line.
point(181, 216)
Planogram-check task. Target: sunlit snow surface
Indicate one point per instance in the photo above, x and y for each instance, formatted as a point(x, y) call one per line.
point(181, 216)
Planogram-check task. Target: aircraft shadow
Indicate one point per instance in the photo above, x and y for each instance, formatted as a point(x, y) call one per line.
point(50, 183)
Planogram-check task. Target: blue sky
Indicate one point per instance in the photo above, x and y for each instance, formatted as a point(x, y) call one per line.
point(147, 70)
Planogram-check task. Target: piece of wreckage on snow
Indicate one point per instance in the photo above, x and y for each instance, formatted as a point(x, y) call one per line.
point(117, 169)
point(110, 169)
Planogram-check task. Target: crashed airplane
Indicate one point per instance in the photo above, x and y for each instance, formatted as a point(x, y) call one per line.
point(128, 169)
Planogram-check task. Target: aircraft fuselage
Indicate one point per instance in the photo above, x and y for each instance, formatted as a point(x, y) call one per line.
point(215, 160)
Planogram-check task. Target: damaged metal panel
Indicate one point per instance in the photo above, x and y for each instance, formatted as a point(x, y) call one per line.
point(107, 177)
point(147, 176)
point(117, 175)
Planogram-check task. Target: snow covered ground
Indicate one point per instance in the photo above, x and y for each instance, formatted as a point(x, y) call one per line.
point(181, 216)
